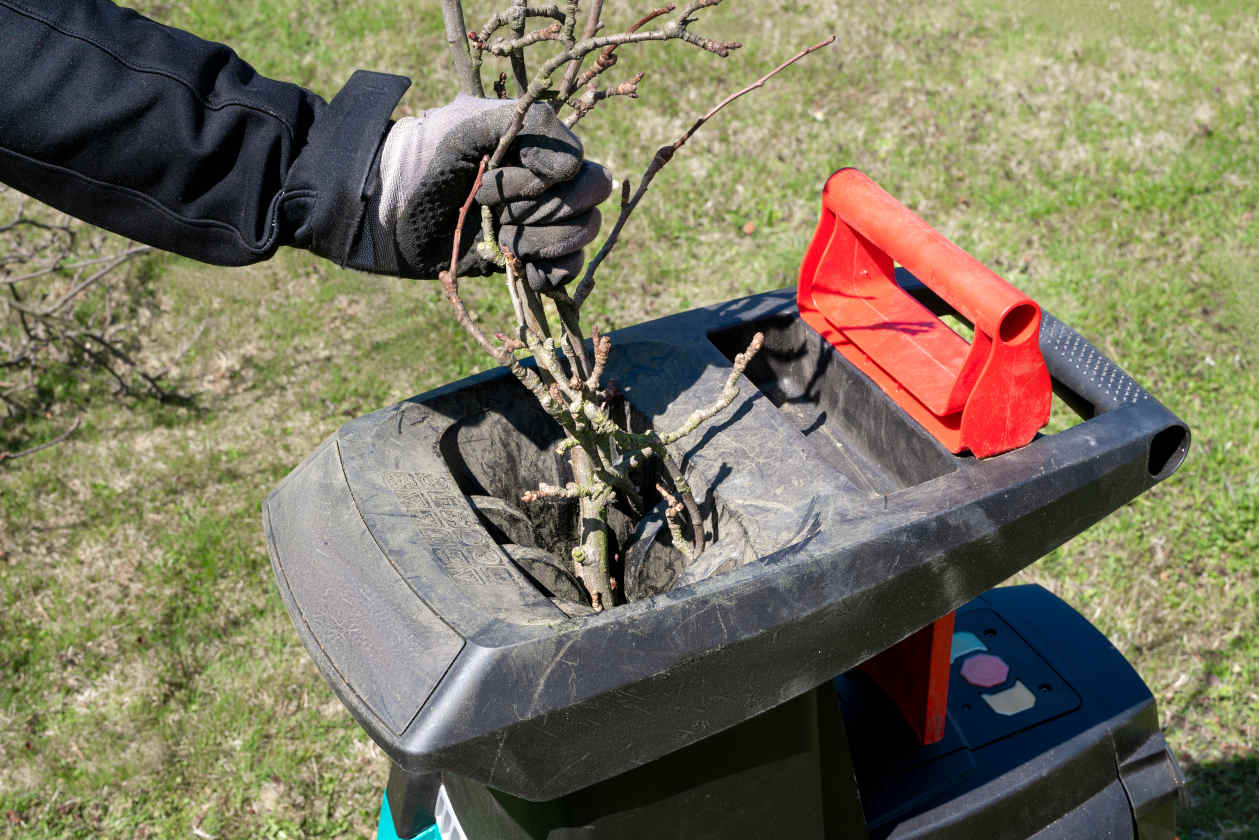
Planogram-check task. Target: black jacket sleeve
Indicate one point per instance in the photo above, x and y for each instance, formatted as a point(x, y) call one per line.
point(176, 142)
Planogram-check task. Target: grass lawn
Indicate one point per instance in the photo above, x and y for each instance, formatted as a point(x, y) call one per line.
point(1102, 157)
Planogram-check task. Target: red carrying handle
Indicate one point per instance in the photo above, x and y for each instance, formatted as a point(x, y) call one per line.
point(987, 396)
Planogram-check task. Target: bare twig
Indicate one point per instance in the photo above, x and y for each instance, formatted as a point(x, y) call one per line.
point(569, 84)
point(450, 277)
point(571, 490)
point(585, 103)
point(607, 58)
point(513, 47)
point(672, 515)
point(544, 352)
point(500, 19)
point(13, 456)
point(540, 85)
point(531, 317)
point(110, 263)
point(727, 395)
point(602, 347)
point(502, 354)
point(635, 444)
point(76, 265)
point(570, 21)
point(754, 86)
point(48, 270)
point(570, 320)
point(677, 29)
point(479, 40)
point(662, 157)
point(674, 471)
point(513, 292)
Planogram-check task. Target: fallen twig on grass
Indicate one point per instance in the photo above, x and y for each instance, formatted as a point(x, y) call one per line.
point(13, 456)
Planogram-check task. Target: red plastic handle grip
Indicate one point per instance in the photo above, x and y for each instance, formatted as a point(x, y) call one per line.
point(989, 395)
point(990, 303)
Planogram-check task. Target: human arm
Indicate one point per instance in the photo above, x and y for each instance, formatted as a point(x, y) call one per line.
point(177, 142)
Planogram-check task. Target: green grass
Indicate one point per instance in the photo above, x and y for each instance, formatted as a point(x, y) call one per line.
point(1102, 157)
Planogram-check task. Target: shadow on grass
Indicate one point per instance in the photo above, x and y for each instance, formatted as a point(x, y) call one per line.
point(1223, 800)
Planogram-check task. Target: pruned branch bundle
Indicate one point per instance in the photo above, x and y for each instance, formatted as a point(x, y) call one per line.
point(567, 379)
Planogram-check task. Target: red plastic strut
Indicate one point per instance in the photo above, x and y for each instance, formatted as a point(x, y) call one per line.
point(914, 673)
point(988, 396)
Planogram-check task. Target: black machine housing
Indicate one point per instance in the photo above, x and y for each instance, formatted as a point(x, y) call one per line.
point(850, 528)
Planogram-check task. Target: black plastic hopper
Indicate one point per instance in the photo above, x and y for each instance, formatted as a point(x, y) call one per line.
point(845, 528)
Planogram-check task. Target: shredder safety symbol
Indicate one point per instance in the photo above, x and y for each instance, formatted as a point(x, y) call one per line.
point(964, 643)
point(1012, 700)
point(983, 670)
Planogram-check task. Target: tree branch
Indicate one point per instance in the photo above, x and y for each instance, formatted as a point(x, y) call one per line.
point(516, 20)
point(602, 347)
point(662, 157)
point(457, 40)
point(754, 86)
point(570, 22)
point(503, 48)
point(674, 471)
point(570, 320)
point(499, 20)
point(110, 263)
point(569, 84)
point(541, 81)
point(608, 58)
point(503, 355)
point(571, 490)
point(450, 279)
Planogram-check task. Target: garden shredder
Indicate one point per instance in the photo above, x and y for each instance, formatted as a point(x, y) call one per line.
point(838, 663)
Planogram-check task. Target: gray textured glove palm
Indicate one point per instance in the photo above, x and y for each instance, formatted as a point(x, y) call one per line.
point(545, 195)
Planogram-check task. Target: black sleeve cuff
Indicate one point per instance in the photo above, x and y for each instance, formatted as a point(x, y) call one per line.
point(324, 197)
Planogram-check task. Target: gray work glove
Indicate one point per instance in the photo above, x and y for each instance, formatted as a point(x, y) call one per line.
point(544, 195)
